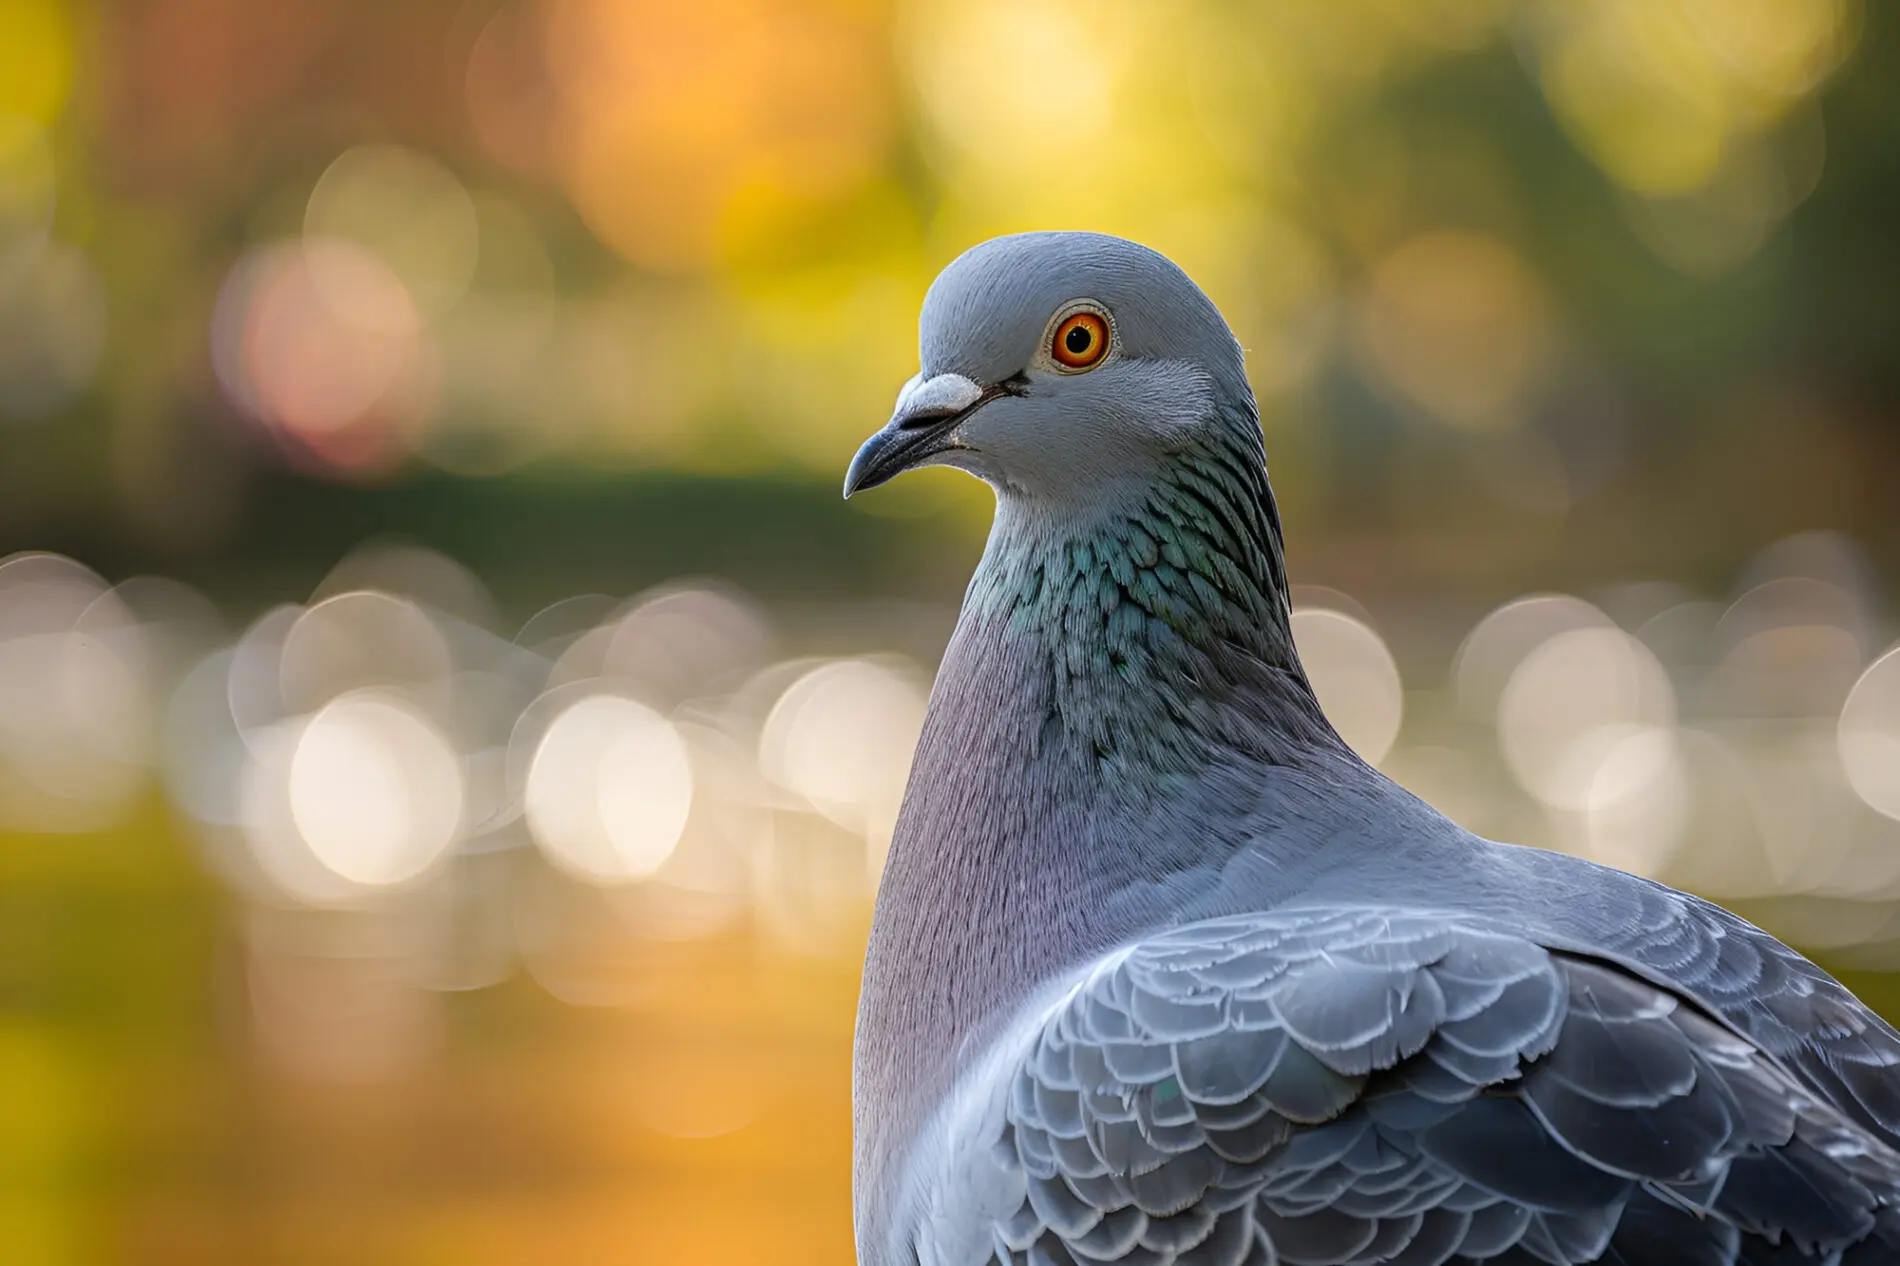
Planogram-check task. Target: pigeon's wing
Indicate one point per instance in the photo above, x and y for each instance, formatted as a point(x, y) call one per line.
point(1779, 1000)
point(1363, 1086)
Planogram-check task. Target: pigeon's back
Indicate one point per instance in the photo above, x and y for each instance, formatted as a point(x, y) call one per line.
point(1162, 973)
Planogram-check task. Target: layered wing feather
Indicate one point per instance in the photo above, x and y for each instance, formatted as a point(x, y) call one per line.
point(1355, 1087)
point(1782, 1002)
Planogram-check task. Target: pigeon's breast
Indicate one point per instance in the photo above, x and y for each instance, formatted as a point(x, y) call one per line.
point(1022, 853)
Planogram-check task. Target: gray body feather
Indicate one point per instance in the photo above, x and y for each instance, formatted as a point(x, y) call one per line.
point(1162, 973)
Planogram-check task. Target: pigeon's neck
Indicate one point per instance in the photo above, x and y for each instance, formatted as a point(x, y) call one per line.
point(1154, 619)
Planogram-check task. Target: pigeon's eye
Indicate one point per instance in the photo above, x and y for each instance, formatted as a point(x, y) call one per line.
point(1080, 341)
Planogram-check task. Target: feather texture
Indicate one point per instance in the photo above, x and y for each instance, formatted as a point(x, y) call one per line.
point(1347, 1087)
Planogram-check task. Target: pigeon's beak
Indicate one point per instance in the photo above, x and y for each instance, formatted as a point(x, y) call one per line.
point(924, 424)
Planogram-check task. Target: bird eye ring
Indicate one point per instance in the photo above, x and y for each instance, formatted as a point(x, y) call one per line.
point(1080, 341)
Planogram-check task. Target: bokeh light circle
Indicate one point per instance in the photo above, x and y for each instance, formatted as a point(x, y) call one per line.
point(609, 789)
point(1499, 642)
point(1571, 703)
point(78, 711)
point(841, 737)
point(321, 340)
point(1868, 735)
point(1638, 801)
point(1355, 677)
point(375, 790)
point(407, 210)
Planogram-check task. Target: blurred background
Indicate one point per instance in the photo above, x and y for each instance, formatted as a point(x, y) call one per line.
point(450, 724)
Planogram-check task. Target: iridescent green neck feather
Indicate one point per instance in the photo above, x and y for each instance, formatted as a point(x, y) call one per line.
point(1156, 610)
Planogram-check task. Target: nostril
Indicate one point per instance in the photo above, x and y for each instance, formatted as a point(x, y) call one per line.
point(931, 416)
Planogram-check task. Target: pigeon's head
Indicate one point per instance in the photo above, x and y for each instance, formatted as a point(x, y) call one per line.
point(1066, 367)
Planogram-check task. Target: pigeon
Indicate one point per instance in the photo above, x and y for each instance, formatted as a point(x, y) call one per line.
point(1160, 971)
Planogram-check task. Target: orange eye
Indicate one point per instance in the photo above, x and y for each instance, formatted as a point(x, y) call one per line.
point(1080, 341)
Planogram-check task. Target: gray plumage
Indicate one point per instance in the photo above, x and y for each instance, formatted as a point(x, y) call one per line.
point(1162, 973)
